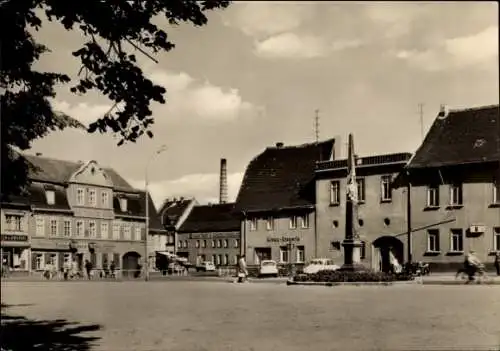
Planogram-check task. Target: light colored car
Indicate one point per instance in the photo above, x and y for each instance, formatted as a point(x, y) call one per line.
point(205, 266)
point(268, 268)
point(320, 264)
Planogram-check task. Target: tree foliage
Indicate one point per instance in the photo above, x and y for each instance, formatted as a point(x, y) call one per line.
point(115, 31)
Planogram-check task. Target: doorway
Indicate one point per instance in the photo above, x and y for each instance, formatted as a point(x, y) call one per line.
point(261, 254)
point(130, 264)
point(385, 247)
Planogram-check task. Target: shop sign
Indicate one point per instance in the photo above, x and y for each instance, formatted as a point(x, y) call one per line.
point(283, 239)
point(65, 245)
point(13, 237)
point(214, 235)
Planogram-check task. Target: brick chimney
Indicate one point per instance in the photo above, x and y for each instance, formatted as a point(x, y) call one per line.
point(223, 181)
point(279, 145)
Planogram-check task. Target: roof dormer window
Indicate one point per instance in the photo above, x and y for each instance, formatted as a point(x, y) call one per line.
point(123, 204)
point(50, 196)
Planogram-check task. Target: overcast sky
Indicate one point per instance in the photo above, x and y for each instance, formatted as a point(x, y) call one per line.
point(255, 74)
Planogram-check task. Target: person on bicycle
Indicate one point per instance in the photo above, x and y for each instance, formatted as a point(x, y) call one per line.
point(472, 264)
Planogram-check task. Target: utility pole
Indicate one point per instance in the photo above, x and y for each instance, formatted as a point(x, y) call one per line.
point(408, 217)
point(316, 125)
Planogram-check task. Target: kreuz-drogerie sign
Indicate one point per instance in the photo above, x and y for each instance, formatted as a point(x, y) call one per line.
point(13, 237)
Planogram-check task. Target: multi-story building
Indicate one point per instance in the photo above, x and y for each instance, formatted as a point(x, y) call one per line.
point(210, 233)
point(379, 216)
point(277, 203)
point(76, 212)
point(455, 188)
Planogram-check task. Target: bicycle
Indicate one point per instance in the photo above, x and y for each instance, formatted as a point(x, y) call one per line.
point(479, 274)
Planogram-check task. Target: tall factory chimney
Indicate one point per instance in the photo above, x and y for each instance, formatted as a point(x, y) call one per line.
point(223, 181)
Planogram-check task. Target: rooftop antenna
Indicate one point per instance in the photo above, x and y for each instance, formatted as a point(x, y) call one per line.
point(316, 124)
point(421, 113)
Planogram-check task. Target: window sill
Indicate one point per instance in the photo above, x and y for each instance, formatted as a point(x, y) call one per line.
point(385, 201)
point(431, 208)
point(454, 253)
point(432, 253)
point(495, 205)
point(454, 207)
point(361, 202)
point(334, 204)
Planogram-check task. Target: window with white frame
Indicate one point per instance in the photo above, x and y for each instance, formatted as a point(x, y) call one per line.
point(185, 243)
point(219, 243)
point(304, 221)
point(80, 228)
point(92, 198)
point(138, 233)
point(235, 259)
point(214, 259)
point(219, 260)
point(335, 192)
point(362, 250)
point(197, 244)
point(40, 226)
point(80, 197)
point(225, 243)
point(433, 195)
point(104, 230)
point(92, 229)
point(14, 223)
point(67, 227)
point(456, 196)
point(179, 244)
point(283, 254)
point(126, 232)
point(53, 227)
point(253, 224)
point(433, 240)
point(105, 199)
point(236, 243)
point(225, 260)
point(50, 196)
point(213, 243)
point(360, 182)
point(39, 262)
point(496, 239)
point(301, 256)
point(293, 222)
point(123, 204)
point(496, 192)
point(116, 231)
point(269, 223)
point(457, 240)
point(204, 244)
point(386, 188)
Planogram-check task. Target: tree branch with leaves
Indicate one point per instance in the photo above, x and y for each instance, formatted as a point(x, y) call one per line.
point(115, 30)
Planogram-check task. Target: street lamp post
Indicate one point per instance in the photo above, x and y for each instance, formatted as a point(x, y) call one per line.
point(146, 180)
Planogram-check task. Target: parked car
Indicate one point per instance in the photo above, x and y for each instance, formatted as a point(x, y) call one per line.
point(268, 268)
point(320, 264)
point(175, 268)
point(205, 266)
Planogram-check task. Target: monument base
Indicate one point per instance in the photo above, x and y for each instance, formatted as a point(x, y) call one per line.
point(353, 267)
point(352, 256)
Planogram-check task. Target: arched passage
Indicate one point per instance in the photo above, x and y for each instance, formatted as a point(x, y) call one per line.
point(130, 263)
point(383, 247)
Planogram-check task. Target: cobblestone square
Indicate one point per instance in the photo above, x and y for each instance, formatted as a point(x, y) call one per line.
point(223, 316)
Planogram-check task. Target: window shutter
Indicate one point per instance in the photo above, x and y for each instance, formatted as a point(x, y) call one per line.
point(438, 239)
point(93, 259)
point(104, 259)
point(60, 262)
point(46, 258)
point(116, 259)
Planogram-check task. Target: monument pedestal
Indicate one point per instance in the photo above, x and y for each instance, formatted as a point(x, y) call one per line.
point(352, 256)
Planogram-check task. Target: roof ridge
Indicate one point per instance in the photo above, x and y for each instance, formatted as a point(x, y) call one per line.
point(475, 108)
point(303, 145)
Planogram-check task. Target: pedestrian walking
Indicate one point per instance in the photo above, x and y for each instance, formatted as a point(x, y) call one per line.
point(242, 270)
point(88, 268)
point(112, 268)
point(497, 263)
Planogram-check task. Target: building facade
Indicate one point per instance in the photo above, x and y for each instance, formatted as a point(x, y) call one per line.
point(77, 212)
point(173, 213)
point(210, 233)
point(455, 188)
point(380, 214)
point(277, 203)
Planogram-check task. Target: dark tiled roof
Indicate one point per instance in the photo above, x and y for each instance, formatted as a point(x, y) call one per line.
point(282, 177)
point(172, 210)
point(59, 171)
point(38, 199)
point(463, 136)
point(211, 218)
point(136, 206)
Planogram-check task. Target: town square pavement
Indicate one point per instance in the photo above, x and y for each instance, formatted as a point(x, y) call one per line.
point(195, 315)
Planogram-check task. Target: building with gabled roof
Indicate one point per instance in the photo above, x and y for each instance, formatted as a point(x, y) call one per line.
point(277, 202)
point(210, 233)
point(75, 211)
point(455, 193)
